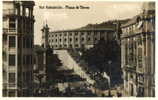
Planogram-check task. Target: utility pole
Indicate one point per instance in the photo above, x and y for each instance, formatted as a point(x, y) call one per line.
point(109, 63)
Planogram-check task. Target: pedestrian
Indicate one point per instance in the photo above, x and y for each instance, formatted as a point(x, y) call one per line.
point(119, 94)
point(109, 94)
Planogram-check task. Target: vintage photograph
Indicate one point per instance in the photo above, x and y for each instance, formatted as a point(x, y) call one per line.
point(78, 49)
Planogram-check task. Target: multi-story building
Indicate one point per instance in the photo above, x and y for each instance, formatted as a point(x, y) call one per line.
point(18, 34)
point(79, 38)
point(138, 53)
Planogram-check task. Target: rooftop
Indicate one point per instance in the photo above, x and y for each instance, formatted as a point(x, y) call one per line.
point(104, 26)
point(131, 21)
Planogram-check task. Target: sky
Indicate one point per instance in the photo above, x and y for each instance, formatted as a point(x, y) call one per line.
point(98, 12)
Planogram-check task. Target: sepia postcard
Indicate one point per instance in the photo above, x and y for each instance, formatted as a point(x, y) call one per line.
point(78, 48)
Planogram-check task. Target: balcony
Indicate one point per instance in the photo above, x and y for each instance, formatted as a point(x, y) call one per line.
point(9, 12)
point(7, 30)
point(140, 70)
point(130, 67)
point(137, 31)
point(12, 85)
point(133, 32)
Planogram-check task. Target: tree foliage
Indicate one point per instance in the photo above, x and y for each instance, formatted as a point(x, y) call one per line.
point(52, 63)
point(101, 53)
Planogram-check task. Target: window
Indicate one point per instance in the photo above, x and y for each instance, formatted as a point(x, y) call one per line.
point(19, 59)
point(89, 39)
point(28, 27)
point(76, 33)
point(27, 12)
point(70, 39)
point(70, 46)
point(76, 45)
point(27, 42)
point(24, 25)
point(31, 42)
point(19, 42)
point(76, 39)
point(4, 93)
point(82, 33)
point(131, 76)
point(31, 59)
point(4, 54)
point(70, 34)
point(65, 45)
point(11, 93)
point(82, 39)
point(12, 41)
point(24, 76)
point(95, 33)
point(11, 60)
point(11, 77)
point(19, 25)
point(126, 77)
point(65, 34)
point(140, 57)
point(24, 41)
point(31, 27)
point(65, 40)
point(140, 91)
point(153, 92)
point(139, 41)
point(132, 89)
point(82, 46)
point(28, 59)
point(141, 78)
point(12, 24)
point(24, 62)
point(89, 33)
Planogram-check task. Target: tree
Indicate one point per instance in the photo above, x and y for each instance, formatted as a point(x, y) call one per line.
point(52, 64)
point(99, 56)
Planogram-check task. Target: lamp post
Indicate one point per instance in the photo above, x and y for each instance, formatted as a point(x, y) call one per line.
point(109, 63)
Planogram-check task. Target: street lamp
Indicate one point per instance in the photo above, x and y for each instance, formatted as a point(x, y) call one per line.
point(109, 63)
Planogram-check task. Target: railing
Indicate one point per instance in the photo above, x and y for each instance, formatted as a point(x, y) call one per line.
point(131, 66)
point(11, 30)
point(133, 32)
point(12, 85)
point(8, 84)
point(138, 31)
point(140, 69)
point(9, 12)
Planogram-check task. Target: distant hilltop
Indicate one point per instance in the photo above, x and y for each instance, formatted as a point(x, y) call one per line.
point(107, 24)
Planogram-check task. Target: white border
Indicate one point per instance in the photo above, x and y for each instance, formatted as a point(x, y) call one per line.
point(82, 98)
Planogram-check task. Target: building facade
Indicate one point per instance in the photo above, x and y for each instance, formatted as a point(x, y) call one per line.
point(78, 38)
point(18, 31)
point(138, 53)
